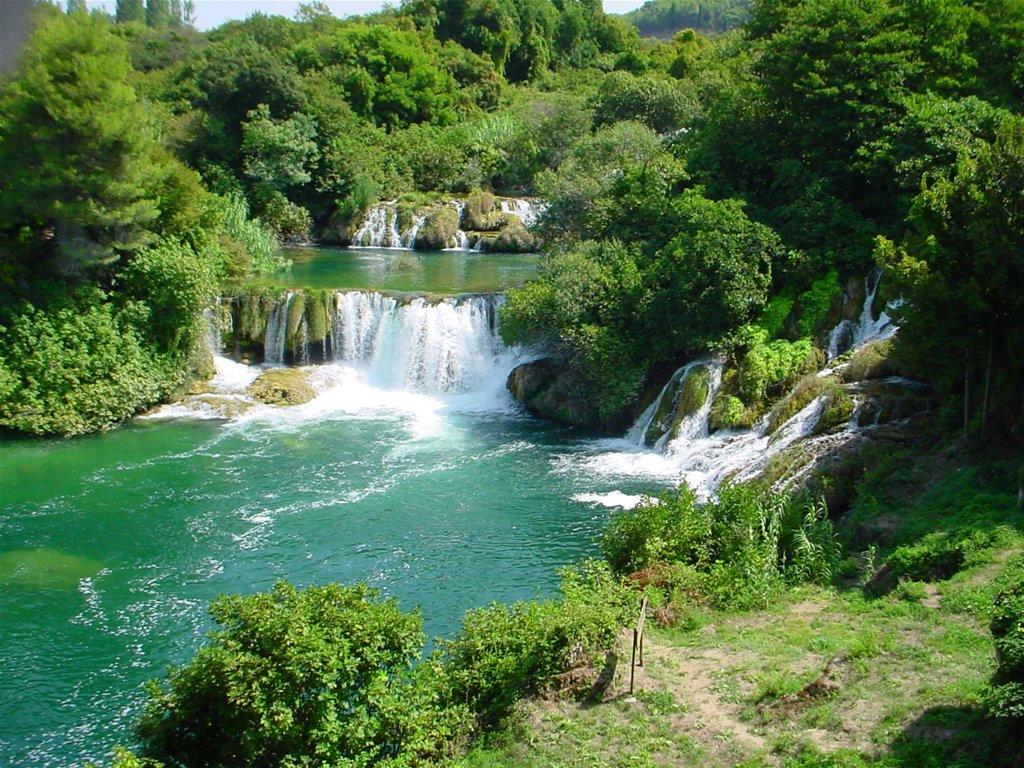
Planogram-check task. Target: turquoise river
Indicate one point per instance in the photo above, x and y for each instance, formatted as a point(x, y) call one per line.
point(112, 546)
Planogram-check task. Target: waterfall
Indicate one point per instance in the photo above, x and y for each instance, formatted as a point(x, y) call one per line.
point(851, 334)
point(380, 226)
point(417, 344)
point(527, 210)
point(275, 337)
point(447, 346)
point(379, 229)
point(409, 236)
point(461, 238)
point(664, 420)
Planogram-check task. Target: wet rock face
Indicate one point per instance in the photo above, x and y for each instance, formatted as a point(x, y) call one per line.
point(547, 388)
point(883, 401)
point(282, 386)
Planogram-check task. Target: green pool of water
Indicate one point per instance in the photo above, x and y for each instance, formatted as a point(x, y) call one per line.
point(394, 270)
point(112, 546)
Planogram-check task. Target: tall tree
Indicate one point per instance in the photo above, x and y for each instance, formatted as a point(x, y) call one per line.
point(960, 268)
point(80, 161)
point(76, 6)
point(158, 13)
point(130, 10)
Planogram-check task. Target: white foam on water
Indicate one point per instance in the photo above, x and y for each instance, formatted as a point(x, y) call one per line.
point(612, 499)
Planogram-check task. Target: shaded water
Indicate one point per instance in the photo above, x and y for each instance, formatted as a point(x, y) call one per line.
point(381, 269)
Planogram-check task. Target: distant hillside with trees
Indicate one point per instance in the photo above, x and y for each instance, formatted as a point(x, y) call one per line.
point(663, 18)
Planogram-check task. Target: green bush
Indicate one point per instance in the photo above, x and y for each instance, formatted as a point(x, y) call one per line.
point(176, 284)
point(77, 365)
point(741, 546)
point(319, 676)
point(658, 102)
point(767, 367)
point(255, 237)
point(815, 302)
point(503, 653)
point(1006, 697)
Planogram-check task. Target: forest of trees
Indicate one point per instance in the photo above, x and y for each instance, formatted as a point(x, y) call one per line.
point(663, 18)
point(696, 186)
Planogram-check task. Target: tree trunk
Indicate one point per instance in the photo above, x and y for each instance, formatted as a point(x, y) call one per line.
point(967, 391)
point(988, 381)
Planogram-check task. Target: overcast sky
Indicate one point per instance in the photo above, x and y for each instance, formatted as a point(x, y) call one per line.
point(210, 13)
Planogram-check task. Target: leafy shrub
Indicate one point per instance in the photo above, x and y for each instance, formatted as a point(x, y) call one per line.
point(937, 556)
point(503, 653)
point(255, 237)
point(176, 284)
point(76, 366)
point(740, 547)
point(815, 302)
point(658, 102)
point(1006, 697)
point(769, 366)
point(729, 412)
point(324, 675)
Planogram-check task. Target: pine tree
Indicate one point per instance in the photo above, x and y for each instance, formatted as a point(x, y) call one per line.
point(75, 6)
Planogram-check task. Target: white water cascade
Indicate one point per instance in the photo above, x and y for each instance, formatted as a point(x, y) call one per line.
point(450, 345)
point(527, 210)
point(380, 225)
point(447, 346)
point(379, 229)
point(694, 454)
point(461, 237)
point(276, 336)
point(850, 334)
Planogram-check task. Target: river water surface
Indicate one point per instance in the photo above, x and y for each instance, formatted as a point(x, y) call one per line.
point(112, 545)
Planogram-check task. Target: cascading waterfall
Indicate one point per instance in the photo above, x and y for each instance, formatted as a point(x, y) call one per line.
point(461, 238)
point(379, 228)
point(409, 236)
point(692, 452)
point(527, 210)
point(446, 346)
point(380, 225)
point(275, 337)
point(850, 334)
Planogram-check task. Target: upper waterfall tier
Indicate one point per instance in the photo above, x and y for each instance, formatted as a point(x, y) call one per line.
point(482, 223)
point(414, 343)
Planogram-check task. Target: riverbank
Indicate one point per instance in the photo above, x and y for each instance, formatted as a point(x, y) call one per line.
point(838, 676)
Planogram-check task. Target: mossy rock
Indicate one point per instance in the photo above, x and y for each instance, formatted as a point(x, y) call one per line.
point(319, 306)
point(438, 230)
point(661, 422)
point(808, 388)
point(282, 386)
point(836, 410)
point(729, 412)
point(547, 389)
point(686, 393)
point(883, 401)
point(512, 238)
point(479, 212)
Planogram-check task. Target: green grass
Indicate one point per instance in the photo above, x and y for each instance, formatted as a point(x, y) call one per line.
point(912, 665)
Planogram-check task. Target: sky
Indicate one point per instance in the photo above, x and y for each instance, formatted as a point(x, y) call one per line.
point(211, 13)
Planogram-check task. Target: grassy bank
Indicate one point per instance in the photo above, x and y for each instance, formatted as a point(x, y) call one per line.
point(875, 670)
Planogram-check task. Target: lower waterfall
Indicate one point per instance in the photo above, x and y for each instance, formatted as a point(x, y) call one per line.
point(449, 345)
